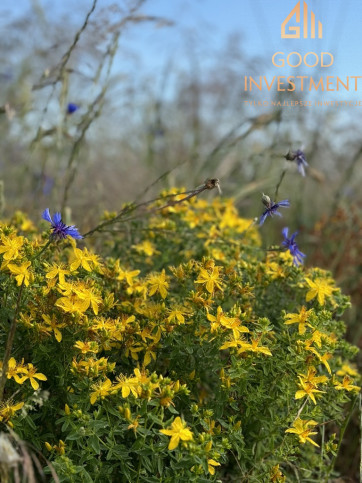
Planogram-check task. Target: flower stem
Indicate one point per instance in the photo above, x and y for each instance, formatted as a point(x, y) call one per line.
point(42, 250)
point(278, 185)
point(341, 435)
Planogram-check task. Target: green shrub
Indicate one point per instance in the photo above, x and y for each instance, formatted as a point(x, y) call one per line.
point(188, 353)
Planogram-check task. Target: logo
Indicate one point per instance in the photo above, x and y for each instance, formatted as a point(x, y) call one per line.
point(297, 12)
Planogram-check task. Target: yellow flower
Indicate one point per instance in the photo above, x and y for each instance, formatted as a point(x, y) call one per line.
point(234, 324)
point(217, 320)
point(146, 247)
point(13, 368)
point(324, 360)
point(128, 385)
point(311, 377)
point(347, 370)
point(274, 269)
point(276, 476)
point(53, 326)
point(317, 338)
point(345, 385)
point(21, 272)
point(309, 384)
point(92, 366)
point(211, 466)
point(178, 315)
point(70, 301)
point(72, 304)
point(301, 318)
point(81, 258)
point(7, 410)
point(319, 288)
point(300, 427)
point(11, 246)
point(29, 372)
point(286, 257)
point(27, 225)
point(89, 297)
point(158, 283)
point(134, 424)
point(210, 280)
point(126, 275)
point(57, 271)
point(86, 347)
point(102, 389)
point(254, 347)
point(307, 389)
point(178, 431)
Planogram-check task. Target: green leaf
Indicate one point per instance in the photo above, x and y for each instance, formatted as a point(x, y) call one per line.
point(94, 443)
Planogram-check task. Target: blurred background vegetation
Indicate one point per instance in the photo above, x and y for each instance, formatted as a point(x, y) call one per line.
point(179, 123)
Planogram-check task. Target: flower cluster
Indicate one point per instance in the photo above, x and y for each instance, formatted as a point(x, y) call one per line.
point(166, 350)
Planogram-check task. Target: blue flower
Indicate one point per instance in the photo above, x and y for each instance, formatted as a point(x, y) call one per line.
point(291, 245)
point(271, 208)
point(299, 157)
point(71, 108)
point(60, 230)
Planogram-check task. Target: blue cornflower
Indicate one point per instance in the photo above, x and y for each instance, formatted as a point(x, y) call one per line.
point(60, 230)
point(291, 245)
point(271, 208)
point(71, 108)
point(299, 157)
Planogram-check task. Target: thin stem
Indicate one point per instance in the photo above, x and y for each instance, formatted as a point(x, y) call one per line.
point(9, 344)
point(43, 249)
point(301, 409)
point(67, 55)
point(237, 461)
point(341, 435)
point(323, 430)
point(278, 185)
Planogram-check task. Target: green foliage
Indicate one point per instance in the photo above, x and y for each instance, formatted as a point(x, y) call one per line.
point(184, 353)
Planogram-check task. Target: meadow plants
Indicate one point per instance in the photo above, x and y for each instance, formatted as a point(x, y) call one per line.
point(184, 352)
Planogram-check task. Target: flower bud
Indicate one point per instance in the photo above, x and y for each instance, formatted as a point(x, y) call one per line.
point(48, 446)
point(290, 156)
point(237, 425)
point(127, 414)
point(208, 446)
point(266, 200)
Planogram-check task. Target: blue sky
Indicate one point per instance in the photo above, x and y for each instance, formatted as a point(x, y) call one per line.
point(210, 22)
point(258, 21)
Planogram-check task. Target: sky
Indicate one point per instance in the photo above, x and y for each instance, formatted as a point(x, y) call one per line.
point(259, 23)
point(210, 22)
